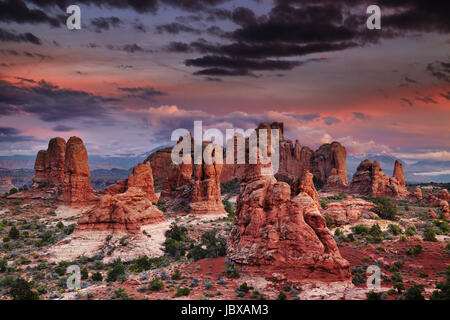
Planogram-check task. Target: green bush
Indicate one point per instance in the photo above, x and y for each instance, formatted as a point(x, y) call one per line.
point(182, 291)
point(410, 231)
point(395, 229)
point(84, 274)
point(145, 263)
point(244, 287)
point(117, 272)
point(329, 221)
point(210, 246)
point(385, 208)
point(414, 251)
point(443, 288)
point(14, 233)
point(282, 296)
point(429, 235)
point(3, 265)
point(97, 277)
point(22, 290)
point(229, 208)
point(156, 284)
point(414, 293)
point(177, 241)
point(232, 272)
point(372, 295)
point(176, 275)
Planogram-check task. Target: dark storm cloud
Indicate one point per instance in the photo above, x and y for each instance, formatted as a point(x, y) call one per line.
point(361, 116)
point(145, 93)
point(446, 95)
point(12, 135)
point(130, 48)
point(139, 26)
point(50, 103)
point(237, 63)
point(103, 23)
point(179, 47)
point(331, 120)
point(18, 11)
point(175, 28)
point(8, 36)
point(141, 6)
point(440, 70)
point(426, 100)
point(407, 101)
point(62, 128)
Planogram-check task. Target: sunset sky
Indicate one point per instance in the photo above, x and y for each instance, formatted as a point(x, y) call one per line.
point(139, 69)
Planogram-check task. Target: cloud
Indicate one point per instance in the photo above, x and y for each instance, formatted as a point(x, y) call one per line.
point(104, 24)
point(175, 28)
point(130, 48)
point(361, 116)
point(62, 128)
point(331, 120)
point(432, 173)
point(12, 135)
point(434, 155)
point(355, 147)
point(142, 92)
point(426, 100)
point(50, 103)
point(446, 95)
point(18, 11)
point(440, 70)
point(407, 101)
point(7, 36)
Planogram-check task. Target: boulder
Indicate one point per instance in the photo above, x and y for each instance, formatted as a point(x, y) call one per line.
point(349, 211)
point(127, 212)
point(271, 230)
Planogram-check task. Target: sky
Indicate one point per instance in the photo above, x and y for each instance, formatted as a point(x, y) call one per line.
point(137, 70)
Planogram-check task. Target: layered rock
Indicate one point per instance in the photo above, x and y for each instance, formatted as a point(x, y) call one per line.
point(273, 230)
point(369, 179)
point(350, 210)
point(160, 162)
point(141, 178)
point(327, 164)
point(305, 184)
point(126, 212)
point(63, 171)
point(76, 187)
point(443, 195)
point(196, 185)
point(5, 185)
point(418, 193)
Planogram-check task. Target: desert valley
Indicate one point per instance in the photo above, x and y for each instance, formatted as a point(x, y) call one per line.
point(224, 231)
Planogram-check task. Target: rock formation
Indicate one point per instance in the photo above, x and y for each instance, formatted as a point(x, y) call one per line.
point(126, 212)
point(275, 231)
point(195, 185)
point(160, 162)
point(418, 193)
point(5, 185)
point(369, 179)
point(305, 184)
point(350, 210)
point(443, 195)
point(63, 171)
point(327, 164)
point(141, 178)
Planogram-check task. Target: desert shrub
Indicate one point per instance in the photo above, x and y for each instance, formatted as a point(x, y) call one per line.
point(232, 272)
point(145, 263)
point(323, 203)
point(69, 229)
point(372, 295)
point(429, 235)
point(442, 225)
point(162, 205)
point(414, 251)
point(156, 284)
point(118, 272)
point(244, 287)
point(97, 277)
point(60, 225)
point(182, 291)
point(410, 231)
point(210, 246)
point(176, 275)
point(84, 274)
point(14, 233)
point(395, 229)
point(399, 286)
point(414, 293)
point(282, 296)
point(61, 268)
point(3, 265)
point(359, 275)
point(360, 229)
point(329, 221)
point(229, 208)
point(22, 290)
point(177, 241)
point(385, 208)
point(443, 288)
